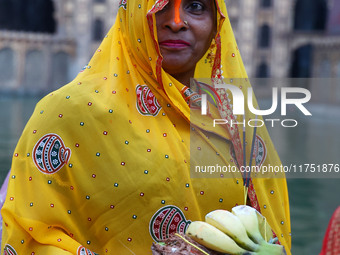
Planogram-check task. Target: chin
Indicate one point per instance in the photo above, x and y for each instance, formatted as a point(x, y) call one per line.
point(176, 66)
point(173, 70)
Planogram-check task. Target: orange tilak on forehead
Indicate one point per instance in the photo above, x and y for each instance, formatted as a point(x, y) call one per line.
point(177, 14)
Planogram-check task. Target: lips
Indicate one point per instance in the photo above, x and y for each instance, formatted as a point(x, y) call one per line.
point(176, 44)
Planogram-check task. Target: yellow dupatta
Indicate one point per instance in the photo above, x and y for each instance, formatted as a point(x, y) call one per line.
point(103, 165)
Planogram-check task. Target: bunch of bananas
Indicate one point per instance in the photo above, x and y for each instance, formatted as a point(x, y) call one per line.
point(242, 231)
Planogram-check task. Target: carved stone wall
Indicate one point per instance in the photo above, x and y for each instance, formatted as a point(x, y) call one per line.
point(39, 62)
point(247, 18)
point(27, 59)
point(76, 38)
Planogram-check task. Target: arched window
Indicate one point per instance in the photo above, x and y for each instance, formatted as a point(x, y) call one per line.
point(262, 70)
point(5, 13)
point(60, 67)
point(7, 65)
point(98, 30)
point(266, 3)
point(302, 62)
point(35, 70)
point(325, 69)
point(310, 15)
point(28, 15)
point(264, 36)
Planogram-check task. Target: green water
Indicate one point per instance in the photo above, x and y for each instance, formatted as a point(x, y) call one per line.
point(314, 140)
point(14, 113)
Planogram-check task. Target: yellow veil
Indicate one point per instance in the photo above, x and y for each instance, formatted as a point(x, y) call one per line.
point(103, 165)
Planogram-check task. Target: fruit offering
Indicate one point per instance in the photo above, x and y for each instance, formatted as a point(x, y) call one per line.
point(242, 231)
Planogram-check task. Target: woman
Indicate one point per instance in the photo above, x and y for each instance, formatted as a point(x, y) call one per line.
point(103, 166)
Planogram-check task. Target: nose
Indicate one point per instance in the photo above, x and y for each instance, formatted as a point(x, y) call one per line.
point(175, 20)
point(177, 11)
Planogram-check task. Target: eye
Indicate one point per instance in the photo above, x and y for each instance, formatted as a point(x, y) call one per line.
point(164, 8)
point(195, 7)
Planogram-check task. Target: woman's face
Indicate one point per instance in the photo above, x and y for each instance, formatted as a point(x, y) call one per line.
point(185, 29)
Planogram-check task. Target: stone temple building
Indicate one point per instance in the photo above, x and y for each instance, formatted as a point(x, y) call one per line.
point(291, 38)
point(53, 39)
point(50, 42)
point(294, 38)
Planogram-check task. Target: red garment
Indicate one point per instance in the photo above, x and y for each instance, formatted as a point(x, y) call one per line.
point(331, 242)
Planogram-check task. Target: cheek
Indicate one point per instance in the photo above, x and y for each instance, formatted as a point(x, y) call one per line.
point(158, 25)
point(212, 30)
point(157, 31)
point(206, 34)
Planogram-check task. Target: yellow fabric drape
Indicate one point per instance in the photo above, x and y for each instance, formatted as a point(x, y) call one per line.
point(103, 165)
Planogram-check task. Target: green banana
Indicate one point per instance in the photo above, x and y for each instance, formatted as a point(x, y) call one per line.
point(232, 226)
point(249, 219)
point(212, 238)
point(265, 229)
point(271, 249)
point(244, 231)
